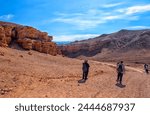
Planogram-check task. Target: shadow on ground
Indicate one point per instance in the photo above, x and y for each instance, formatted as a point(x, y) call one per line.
point(120, 85)
point(81, 81)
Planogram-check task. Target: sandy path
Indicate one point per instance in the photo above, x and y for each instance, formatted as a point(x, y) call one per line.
point(127, 68)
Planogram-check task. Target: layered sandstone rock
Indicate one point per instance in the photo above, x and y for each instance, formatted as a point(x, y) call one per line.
point(27, 37)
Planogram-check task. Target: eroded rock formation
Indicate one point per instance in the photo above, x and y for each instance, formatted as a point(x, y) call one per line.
point(27, 37)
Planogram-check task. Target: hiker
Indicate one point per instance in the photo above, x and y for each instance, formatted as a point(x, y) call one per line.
point(146, 68)
point(120, 71)
point(118, 64)
point(85, 69)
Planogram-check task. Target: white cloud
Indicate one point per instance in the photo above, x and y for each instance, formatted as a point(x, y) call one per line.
point(65, 14)
point(112, 5)
point(113, 17)
point(138, 27)
point(80, 22)
point(91, 20)
point(135, 9)
point(7, 17)
point(74, 37)
point(95, 17)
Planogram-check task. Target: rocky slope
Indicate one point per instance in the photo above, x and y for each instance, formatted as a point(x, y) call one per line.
point(114, 45)
point(28, 38)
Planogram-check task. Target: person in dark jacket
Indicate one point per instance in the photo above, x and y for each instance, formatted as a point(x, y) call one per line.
point(85, 69)
point(146, 68)
point(120, 71)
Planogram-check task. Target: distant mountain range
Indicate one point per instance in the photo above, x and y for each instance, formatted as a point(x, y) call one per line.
point(62, 42)
point(118, 45)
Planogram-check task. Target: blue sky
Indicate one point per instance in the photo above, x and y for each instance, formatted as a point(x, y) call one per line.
point(69, 20)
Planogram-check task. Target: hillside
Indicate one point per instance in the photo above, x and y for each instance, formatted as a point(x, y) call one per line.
point(129, 45)
point(34, 74)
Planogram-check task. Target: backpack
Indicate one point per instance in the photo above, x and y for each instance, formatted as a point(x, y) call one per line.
point(146, 66)
point(120, 68)
point(85, 67)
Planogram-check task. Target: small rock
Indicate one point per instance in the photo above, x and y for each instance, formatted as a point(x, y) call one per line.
point(2, 92)
point(10, 89)
point(2, 53)
point(102, 71)
point(30, 53)
point(9, 60)
point(14, 79)
point(6, 89)
point(2, 81)
point(40, 79)
point(21, 56)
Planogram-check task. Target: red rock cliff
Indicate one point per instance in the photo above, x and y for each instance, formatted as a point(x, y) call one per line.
point(27, 37)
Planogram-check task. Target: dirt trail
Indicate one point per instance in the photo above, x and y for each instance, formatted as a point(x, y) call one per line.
point(127, 67)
